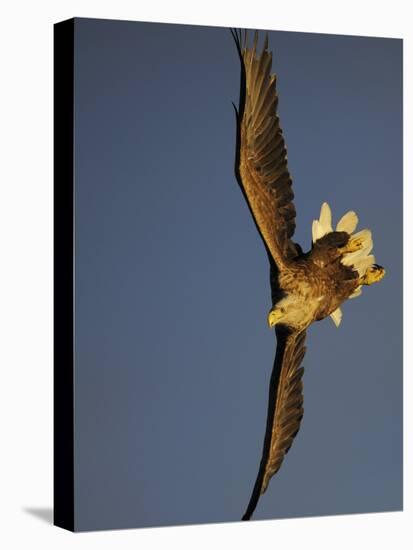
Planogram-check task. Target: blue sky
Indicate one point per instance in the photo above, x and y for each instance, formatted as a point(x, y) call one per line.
point(173, 355)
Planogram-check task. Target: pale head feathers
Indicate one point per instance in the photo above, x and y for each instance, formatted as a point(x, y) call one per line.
point(292, 311)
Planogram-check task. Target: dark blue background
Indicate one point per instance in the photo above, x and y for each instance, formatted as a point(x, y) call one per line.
point(173, 355)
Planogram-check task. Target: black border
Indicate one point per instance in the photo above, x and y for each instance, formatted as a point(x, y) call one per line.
point(63, 417)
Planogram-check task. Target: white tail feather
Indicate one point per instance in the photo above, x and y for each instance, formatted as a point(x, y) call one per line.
point(362, 264)
point(317, 231)
point(356, 293)
point(350, 259)
point(360, 259)
point(348, 222)
point(360, 253)
point(326, 218)
point(365, 236)
point(337, 316)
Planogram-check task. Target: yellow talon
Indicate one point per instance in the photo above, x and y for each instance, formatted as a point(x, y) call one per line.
point(353, 245)
point(373, 274)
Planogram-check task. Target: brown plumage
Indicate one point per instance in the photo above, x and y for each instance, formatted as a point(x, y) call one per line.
point(305, 287)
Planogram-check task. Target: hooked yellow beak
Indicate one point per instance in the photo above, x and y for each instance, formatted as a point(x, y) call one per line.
point(274, 317)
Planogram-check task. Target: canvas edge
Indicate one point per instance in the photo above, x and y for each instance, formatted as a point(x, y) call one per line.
point(63, 265)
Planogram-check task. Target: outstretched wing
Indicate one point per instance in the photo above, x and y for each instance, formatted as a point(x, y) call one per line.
point(261, 160)
point(285, 409)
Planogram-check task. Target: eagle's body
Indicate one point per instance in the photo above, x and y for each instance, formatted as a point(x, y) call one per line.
point(305, 287)
point(315, 284)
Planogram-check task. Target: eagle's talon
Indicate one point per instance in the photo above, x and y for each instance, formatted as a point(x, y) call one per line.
point(373, 274)
point(353, 245)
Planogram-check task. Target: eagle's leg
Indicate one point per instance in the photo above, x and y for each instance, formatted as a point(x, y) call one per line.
point(373, 274)
point(353, 245)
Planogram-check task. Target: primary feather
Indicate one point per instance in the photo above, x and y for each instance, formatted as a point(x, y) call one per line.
point(262, 169)
point(289, 400)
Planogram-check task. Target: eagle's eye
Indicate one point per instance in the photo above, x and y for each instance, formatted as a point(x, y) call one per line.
point(282, 310)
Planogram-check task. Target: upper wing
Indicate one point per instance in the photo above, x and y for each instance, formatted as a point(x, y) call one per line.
point(285, 409)
point(261, 162)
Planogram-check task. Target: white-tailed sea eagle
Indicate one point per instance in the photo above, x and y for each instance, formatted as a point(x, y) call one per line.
point(305, 287)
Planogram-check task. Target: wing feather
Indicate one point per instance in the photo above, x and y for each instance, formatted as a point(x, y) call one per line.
point(289, 405)
point(285, 409)
point(262, 169)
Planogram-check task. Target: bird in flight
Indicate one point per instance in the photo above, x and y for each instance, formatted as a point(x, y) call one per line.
point(305, 286)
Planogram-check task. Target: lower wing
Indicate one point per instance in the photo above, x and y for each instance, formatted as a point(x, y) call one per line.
point(285, 409)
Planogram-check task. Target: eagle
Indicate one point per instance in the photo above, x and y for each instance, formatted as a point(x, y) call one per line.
point(305, 286)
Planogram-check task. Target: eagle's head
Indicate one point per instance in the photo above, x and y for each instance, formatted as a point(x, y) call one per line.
point(276, 316)
point(291, 312)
